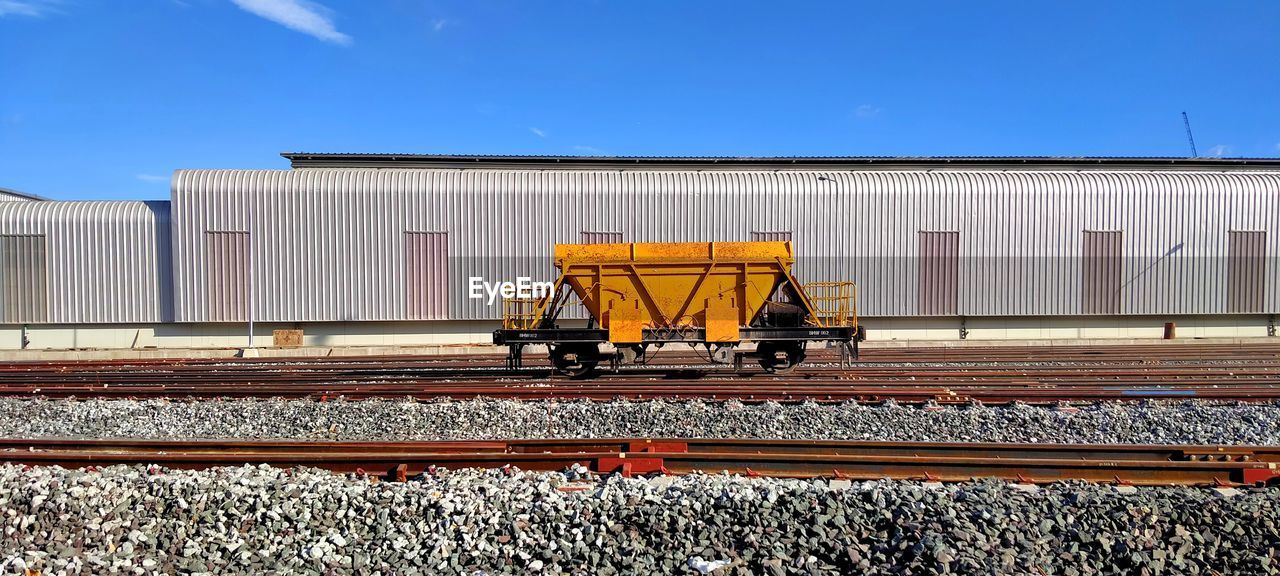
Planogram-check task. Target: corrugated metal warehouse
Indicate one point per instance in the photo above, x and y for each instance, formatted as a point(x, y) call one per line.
point(85, 262)
point(381, 249)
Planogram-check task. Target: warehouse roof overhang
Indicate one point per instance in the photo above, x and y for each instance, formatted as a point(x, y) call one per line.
point(22, 195)
point(360, 160)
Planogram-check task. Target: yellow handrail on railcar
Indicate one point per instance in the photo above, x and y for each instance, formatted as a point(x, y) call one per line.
point(520, 313)
point(834, 303)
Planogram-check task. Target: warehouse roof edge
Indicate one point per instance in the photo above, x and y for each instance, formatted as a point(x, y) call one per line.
point(19, 195)
point(379, 160)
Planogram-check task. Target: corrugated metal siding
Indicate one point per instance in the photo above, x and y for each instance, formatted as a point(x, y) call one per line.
point(939, 273)
point(108, 262)
point(600, 237)
point(339, 231)
point(1246, 271)
point(24, 293)
point(426, 256)
point(1102, 266)
point(227, 260)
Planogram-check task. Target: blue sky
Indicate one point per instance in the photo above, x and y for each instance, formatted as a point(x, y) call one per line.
point(104, 98)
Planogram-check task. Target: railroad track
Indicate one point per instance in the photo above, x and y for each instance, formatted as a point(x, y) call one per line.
point(995, 353)
point(675, 390)
point(1116, 358)
point(944, 462)
point(1244, 372)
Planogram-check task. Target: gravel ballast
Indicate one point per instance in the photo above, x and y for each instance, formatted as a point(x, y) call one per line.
point(1180, 422)
point(258, 520)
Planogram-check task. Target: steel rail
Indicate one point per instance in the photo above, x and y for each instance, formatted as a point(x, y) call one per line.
point(677, 390)
point(641, 381)
point(1048, 369)
point(948, 462)
point(1101, 353)
point(295, 372)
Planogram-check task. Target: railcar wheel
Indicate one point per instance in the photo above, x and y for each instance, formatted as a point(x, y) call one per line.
point(721, 353)
point(780, 357)
point(577, 360)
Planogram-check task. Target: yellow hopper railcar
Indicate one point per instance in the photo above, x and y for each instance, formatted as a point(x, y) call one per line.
point(720, 296)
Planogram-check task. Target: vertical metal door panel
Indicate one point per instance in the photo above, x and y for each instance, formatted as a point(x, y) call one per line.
point(426, 263)
point(24, 289)
point(600, 237)
point(1101, 272)
point(227, 263)
point(938, 274)
point(1246, 271)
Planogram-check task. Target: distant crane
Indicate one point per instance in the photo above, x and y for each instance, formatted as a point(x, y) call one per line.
point(1190, 139)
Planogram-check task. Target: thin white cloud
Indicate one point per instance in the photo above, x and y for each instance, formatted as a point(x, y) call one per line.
point(1277, 146)
point(588, 149)
point(33, 8)
point(300, 15)
point(866, 111)
point(439, 24)
point(152, 178)
point(1219, 151)
point(538, 132)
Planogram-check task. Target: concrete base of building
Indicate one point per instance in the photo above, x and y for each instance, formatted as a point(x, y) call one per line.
point(314, 334)
point(473, 337)
point(1057, 328)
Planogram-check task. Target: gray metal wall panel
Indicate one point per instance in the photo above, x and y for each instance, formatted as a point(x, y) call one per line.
point(426, 256)
point(1246, 271)
point(339, 231)
point(108, 262)
point(24, 293)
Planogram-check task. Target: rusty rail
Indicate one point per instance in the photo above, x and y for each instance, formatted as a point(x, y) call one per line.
point(945, 462)
point(1140, 353)
point(677, 390)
